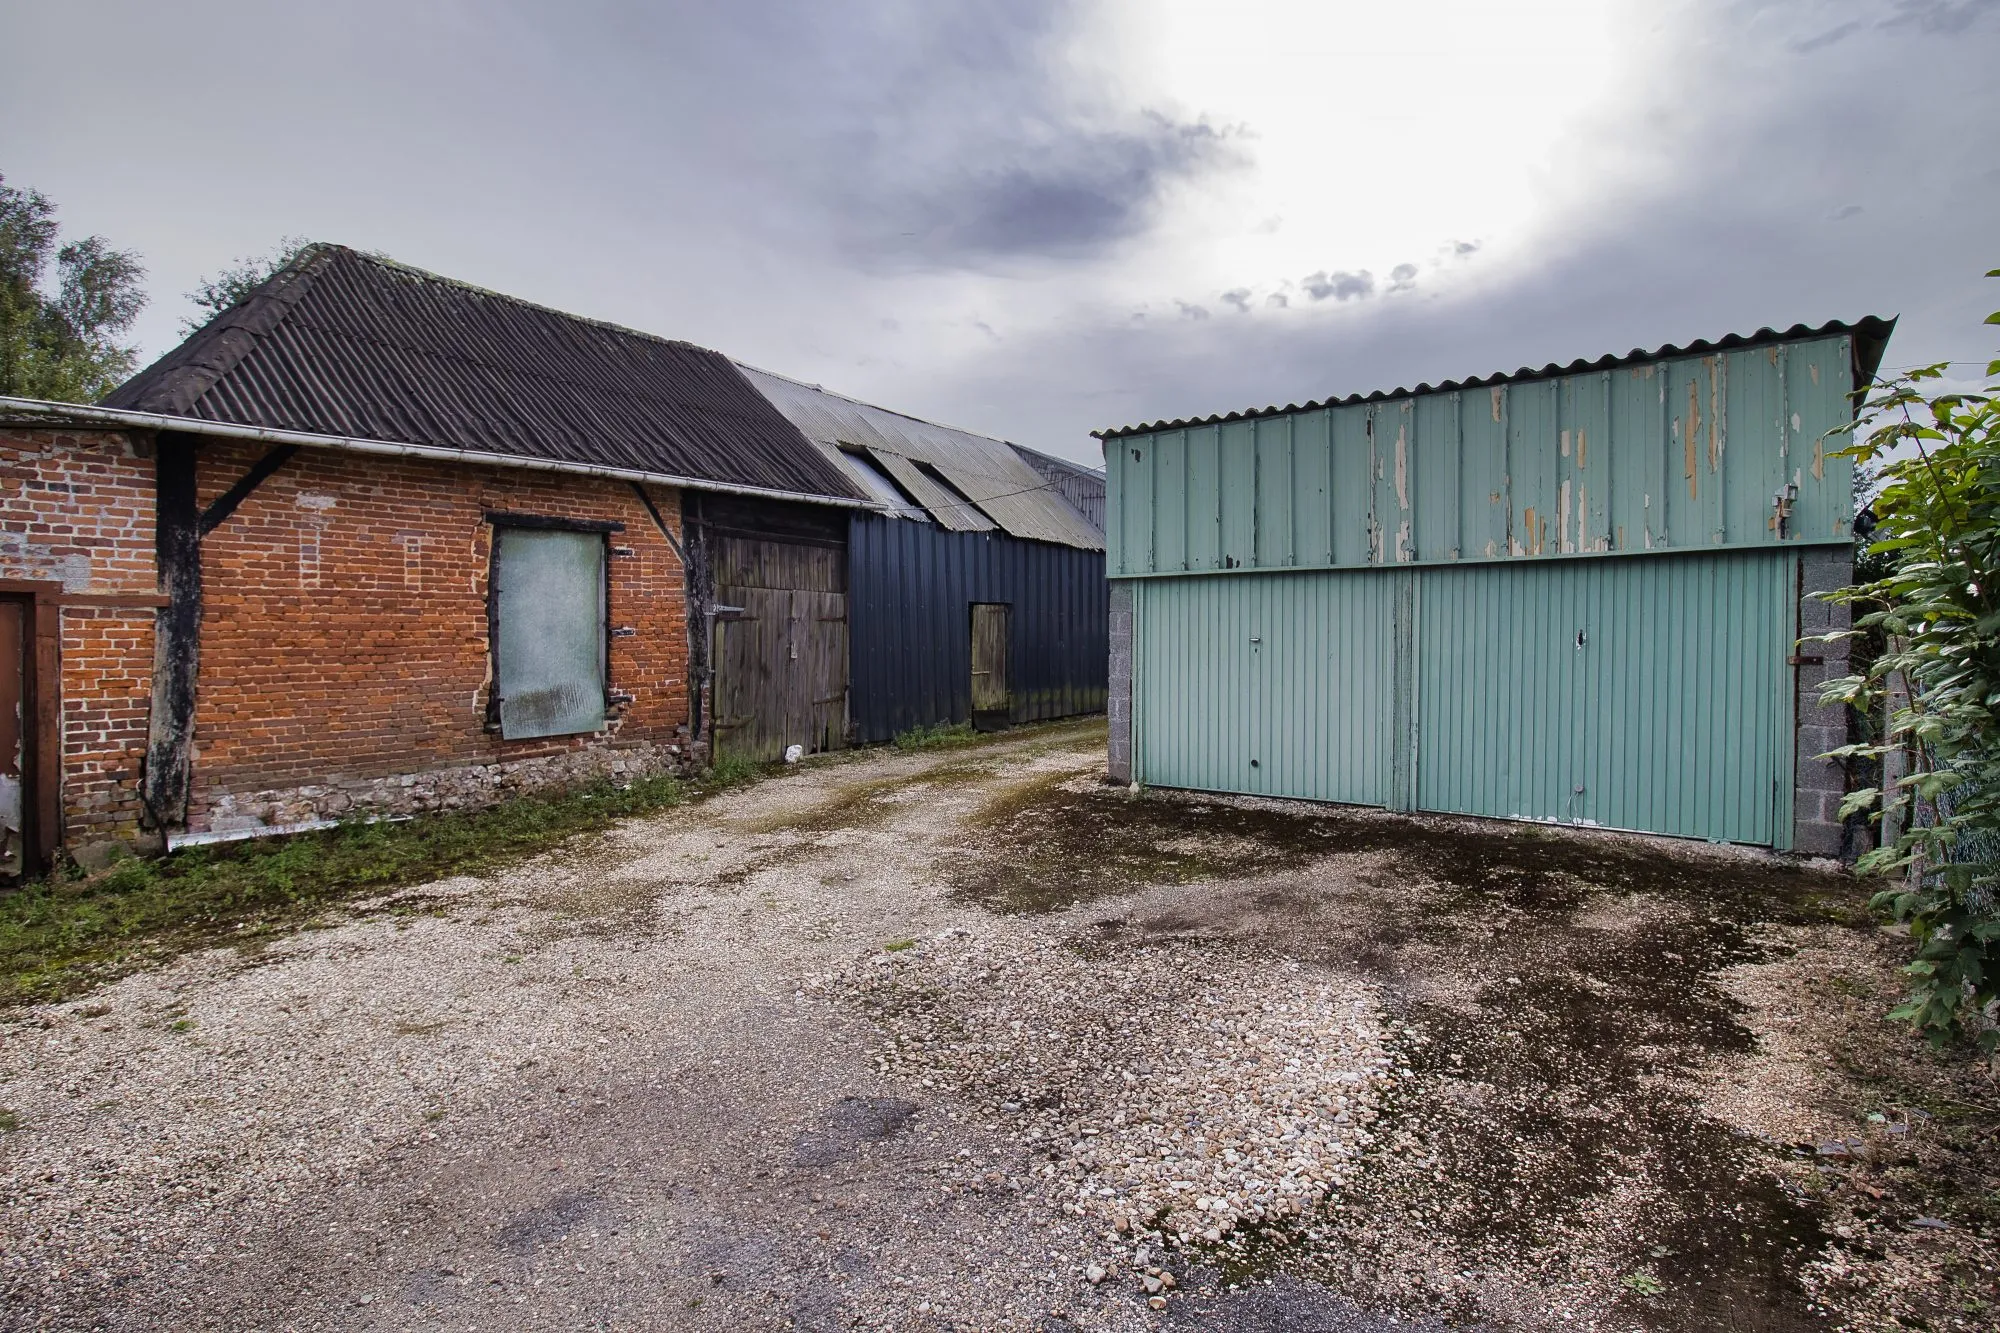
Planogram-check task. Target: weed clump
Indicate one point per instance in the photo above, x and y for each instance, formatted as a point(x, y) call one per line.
point(936, 736)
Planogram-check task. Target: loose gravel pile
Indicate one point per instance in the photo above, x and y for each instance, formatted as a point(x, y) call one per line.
point(1185, 1094)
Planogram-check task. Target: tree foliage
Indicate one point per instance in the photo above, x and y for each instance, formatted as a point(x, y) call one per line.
point(62, 343)
point(228, 288)
point(1935, 602)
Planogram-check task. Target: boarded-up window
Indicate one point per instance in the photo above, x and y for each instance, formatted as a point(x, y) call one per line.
point(549, 631)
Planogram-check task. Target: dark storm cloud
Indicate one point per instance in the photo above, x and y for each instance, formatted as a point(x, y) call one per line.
point(1069, 192)
point(1834, 34)
point(1340, 286)
point(1945, 17)
point(912, 135)
point(1238, 297)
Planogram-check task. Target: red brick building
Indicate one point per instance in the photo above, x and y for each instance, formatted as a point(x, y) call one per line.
point(370, 542)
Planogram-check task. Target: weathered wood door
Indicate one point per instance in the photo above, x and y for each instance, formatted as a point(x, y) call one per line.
point(991, 698)
point(14, 727)
point(781, 672)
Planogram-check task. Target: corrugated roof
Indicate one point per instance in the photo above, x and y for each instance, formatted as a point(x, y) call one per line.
point(340, 343)
point(1871, 335)
point(1082, 486)
point(986, 471)
point(938, 501)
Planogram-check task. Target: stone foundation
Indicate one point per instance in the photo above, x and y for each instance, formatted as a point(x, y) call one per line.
point(465, 787)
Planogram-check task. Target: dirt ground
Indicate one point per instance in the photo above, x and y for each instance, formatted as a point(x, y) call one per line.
point(969, 1040)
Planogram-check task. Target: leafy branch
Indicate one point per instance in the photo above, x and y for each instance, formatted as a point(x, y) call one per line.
point(1937, 609)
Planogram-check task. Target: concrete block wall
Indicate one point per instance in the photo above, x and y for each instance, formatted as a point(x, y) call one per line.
point(1118, 704)
point(1820, 784)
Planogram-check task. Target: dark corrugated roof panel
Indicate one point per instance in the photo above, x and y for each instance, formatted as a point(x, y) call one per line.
point(341, 343)
point(1871, 334)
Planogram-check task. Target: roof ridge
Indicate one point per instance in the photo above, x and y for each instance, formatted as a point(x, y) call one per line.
point(876, 407)
point(173, 384)
point(445, 279)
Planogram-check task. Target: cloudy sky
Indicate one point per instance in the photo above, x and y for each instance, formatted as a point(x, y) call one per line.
point(1033, 217)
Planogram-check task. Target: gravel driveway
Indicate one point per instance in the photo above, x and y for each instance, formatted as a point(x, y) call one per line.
point(956, 1040)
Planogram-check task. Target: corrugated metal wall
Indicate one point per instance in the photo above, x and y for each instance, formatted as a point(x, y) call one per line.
point(911, 590)
point(1676, 454)
point(1648, 693)
point(1280, 685)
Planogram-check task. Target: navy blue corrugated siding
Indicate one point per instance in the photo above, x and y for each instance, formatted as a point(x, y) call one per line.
point(910, 592)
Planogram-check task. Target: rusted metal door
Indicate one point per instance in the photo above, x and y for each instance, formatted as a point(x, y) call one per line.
point(14, 731)
point(991, 698)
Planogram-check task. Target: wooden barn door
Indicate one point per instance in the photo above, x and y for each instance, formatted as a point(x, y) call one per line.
point(780, 648)
point(992, 699)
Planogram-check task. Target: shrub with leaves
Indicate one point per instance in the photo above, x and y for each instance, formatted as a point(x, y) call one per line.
point(1936, 606)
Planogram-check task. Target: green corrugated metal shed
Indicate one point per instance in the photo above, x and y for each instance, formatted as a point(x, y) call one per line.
point(1569, 594)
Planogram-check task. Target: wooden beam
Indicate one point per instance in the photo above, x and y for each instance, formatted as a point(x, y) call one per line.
point(45, 825)
point(225, 504)
point(168, 774)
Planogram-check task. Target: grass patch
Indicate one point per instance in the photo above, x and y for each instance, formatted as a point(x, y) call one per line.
point(897, 946)
point(61, 935)
point(732, 770)
point(936, 736)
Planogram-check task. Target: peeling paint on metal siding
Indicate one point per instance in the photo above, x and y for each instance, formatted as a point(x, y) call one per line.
point(1237, 464)
point(1674, 455)
point(1353, 494)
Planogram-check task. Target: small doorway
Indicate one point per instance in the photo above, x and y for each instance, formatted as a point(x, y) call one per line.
point(992, 701)
point(16, 711)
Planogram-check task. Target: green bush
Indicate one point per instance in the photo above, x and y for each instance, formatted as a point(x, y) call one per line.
point(1936, 608)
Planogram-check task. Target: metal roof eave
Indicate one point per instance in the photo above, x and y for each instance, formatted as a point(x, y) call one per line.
point(42, 412)
point(1870, 333)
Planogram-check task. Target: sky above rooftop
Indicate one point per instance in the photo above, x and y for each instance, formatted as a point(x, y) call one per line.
point(1035, 219)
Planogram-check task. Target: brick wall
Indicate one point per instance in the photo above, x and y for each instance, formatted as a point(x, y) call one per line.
point(344, 645)
point(76, 509)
